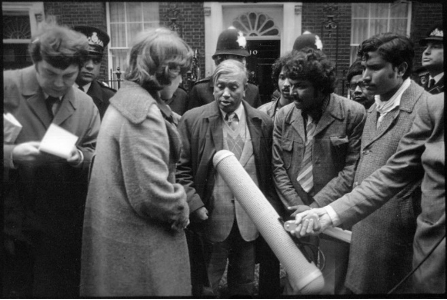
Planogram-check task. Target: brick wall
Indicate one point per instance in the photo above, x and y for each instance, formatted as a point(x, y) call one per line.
point(81, 13)
point(192, 20)
point(336, 41)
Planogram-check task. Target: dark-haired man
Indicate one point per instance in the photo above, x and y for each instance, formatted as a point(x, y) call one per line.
point(355, 84)
point(45, 195)
point(381, 247)
point(316, 143)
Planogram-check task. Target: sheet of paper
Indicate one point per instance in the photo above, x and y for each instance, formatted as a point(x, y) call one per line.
point(11, 128)
point(58, 141)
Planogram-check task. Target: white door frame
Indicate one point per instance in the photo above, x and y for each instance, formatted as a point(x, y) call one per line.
point(292, 17)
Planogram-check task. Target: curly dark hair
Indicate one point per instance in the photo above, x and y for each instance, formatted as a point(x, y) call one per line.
point(392, 47)
point(313, 65)
point(277, 67)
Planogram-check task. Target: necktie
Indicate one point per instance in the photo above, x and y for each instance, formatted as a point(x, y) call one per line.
point(232, 120)
point(50, 103)
point(431, 83)
point(81, 88)
point(305, 176)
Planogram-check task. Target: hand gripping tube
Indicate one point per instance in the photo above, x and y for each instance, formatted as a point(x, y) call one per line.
point(304, 277)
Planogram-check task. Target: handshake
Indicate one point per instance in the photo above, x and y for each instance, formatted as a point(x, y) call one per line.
point(308, 221)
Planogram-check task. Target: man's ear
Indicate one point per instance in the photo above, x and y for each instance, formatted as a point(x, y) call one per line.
point(401, 69)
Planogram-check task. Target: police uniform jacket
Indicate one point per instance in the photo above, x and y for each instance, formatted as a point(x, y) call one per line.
point(202, 93)
point(101, 95)
point(437, 88)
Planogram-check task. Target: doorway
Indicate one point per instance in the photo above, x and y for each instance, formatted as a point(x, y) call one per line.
point(263, 54)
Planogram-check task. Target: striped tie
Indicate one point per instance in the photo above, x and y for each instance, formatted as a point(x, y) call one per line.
point(305, 176)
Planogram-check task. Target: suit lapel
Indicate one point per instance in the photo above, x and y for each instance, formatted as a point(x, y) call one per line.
point(216, 123)
point(67, 107)
point(333, 111)
point(255, 130)
point(34, 95)
point(297, 122)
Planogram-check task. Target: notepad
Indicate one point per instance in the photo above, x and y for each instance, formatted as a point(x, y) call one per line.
point(58, 141)
point(11, 128)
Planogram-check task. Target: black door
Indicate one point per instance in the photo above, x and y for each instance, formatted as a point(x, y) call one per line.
point(259, 64)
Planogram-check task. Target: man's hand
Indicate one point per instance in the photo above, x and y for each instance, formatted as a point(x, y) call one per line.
point(75, 157)
point(311, 222)
point(27, 153)
point(200, 215)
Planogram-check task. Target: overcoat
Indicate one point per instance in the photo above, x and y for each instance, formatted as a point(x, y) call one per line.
point(44, 204)
point(421, 154)
point(202, 93)
point(129, 248)
point(381, 245)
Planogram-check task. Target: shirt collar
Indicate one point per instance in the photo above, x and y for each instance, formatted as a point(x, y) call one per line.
point(384, 107)
point(85, 87)
point(437, 77)
point(46, 96)
point(239, 112)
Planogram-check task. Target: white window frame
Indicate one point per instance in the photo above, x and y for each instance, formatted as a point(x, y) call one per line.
point(33, 9)
point(388, 18)
point(109, 49)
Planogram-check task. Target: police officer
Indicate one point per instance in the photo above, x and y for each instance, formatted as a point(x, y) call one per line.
point(230, 45)
point(433, 60)
point(87, 78)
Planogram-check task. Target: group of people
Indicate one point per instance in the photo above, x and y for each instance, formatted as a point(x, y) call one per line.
point(138, 208)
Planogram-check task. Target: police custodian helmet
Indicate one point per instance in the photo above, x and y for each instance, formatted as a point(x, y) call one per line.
point(231, 41)
point(97, 39)
point(308, 39)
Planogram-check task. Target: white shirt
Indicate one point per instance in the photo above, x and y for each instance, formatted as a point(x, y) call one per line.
point(239, 112)
point(384, 107)
point(85, 87)
point(436, 78)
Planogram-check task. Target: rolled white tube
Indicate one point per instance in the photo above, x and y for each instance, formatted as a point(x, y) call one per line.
point(304, 277)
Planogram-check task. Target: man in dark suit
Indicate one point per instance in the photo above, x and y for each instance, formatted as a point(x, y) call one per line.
point(433, 60)
point(316, 144)
point(230, 45)
point(87, 78)
point(381, 245)
point(420, 155)
point(44, 194)
point(179, 101)
point(227, 123)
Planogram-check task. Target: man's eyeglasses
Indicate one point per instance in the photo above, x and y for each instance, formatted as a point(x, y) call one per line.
point(353, 86)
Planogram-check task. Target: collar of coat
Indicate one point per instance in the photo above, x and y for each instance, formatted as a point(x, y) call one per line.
point(133, 102)
point(408, 99)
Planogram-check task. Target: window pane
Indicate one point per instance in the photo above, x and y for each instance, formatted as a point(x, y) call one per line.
point(399, 26)
point(150, 25)
point(399, 10)
point(16, 27)
point(354, 50)
point(378, 26)
point(360, 10)
point(359, 31)
point(379, 10)
point(117, 35)
point(150, 11)
point(133, 12)
point(116, 12)
point(132, 31)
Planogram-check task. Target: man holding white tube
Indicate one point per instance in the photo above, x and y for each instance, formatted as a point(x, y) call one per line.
point(228, 123)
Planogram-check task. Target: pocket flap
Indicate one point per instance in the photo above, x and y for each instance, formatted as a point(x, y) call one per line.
point(337, 141)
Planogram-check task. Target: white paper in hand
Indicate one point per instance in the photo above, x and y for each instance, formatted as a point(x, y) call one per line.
point(11, 128)
point(58, 141)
